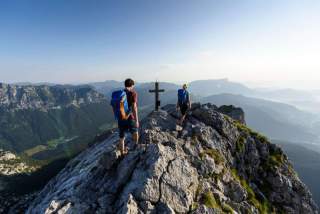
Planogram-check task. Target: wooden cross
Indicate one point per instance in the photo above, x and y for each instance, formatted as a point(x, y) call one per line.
point(157, 92)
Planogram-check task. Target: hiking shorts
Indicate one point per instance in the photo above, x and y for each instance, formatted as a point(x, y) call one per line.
point(184, 108)
point(127, 126)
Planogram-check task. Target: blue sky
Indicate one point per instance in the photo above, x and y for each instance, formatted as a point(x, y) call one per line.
point(272, 42)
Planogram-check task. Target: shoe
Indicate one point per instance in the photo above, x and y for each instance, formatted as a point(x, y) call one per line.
point(179, 128)
point(123, 152)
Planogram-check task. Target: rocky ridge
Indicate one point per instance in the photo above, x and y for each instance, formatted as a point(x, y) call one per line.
point(215, 165)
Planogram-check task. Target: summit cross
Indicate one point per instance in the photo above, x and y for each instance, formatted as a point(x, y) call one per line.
point(157, 91)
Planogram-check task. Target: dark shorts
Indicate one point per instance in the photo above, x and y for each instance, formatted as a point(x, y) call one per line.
point(183, 108)
point(126, 126)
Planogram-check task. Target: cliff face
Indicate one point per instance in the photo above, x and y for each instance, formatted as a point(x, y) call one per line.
point(215, 165)
point(14, 97)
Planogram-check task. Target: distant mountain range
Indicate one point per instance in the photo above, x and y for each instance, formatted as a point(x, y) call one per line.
point(205, 88)
point(35, 119)
point(276, 120)
point(304, 100)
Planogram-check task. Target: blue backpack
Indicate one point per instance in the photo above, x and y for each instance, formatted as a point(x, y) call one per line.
point(120, 105)
point(183, 96)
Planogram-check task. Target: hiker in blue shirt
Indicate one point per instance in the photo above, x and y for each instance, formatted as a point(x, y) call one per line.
point(184, 103)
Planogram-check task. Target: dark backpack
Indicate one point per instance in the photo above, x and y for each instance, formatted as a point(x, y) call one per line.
point(119, 103)
point(183, 96)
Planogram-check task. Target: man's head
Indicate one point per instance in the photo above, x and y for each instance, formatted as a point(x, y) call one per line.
point(184, 86)
point(129, 84)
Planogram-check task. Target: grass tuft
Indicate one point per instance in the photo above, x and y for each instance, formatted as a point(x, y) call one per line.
point(240, 144)
point(214, 154)
point(246, 131)
point(209, 200)
point(262, 206)
point(226, 208)
point(275, 159)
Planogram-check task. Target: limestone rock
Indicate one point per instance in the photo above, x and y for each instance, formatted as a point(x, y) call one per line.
point(213, 166)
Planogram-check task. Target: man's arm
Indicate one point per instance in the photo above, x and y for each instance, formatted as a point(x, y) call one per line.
point(177, 106)
point(189, 100)
point(135, 112)
point(135, 108)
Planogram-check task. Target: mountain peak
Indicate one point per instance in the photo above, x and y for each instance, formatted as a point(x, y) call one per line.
point(215, 165)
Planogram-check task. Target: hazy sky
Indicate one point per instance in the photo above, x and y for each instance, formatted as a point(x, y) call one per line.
point(265, 42)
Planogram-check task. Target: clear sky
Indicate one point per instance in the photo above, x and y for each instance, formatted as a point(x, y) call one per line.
point(265, 42)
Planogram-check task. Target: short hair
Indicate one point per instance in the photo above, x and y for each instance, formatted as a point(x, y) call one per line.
point(128, 83)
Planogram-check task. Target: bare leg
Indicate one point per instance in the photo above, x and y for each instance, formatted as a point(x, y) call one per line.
point(182, 119)
point(135, 137)
point(121, 146)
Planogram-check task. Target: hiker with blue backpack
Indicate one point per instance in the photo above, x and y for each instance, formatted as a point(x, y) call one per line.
point(125, 108)
point(184, 103)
